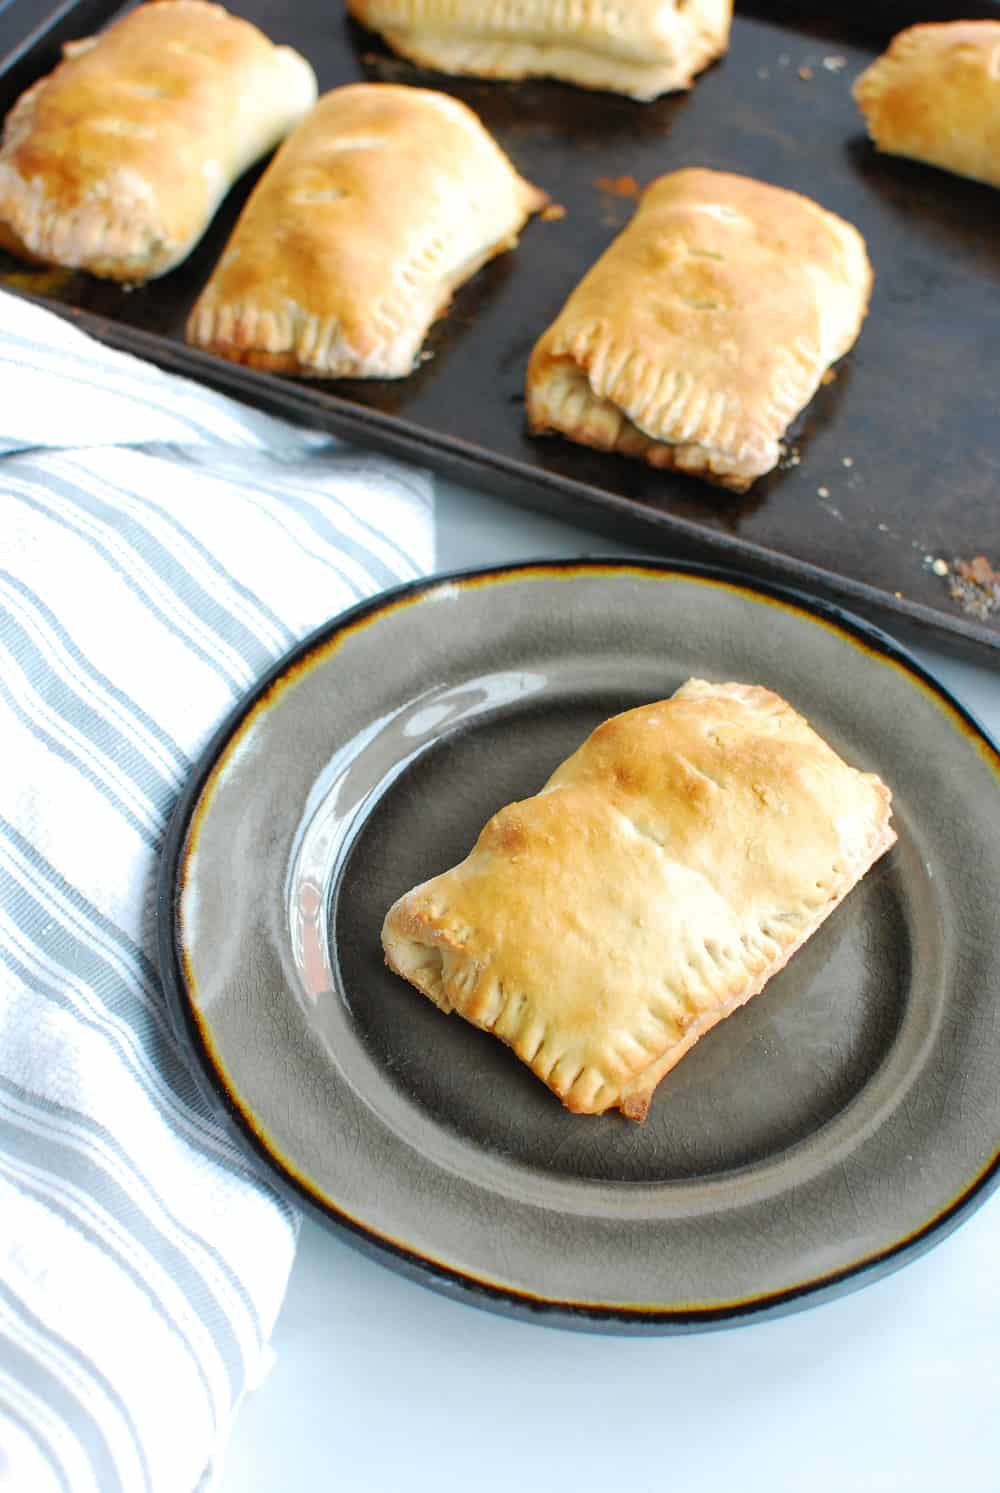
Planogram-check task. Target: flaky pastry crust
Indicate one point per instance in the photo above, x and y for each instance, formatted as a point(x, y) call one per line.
point(382, 202)
point(641, 48)
point(704, 329)
point(116, 161)
point(935, 96)
point(665, 872)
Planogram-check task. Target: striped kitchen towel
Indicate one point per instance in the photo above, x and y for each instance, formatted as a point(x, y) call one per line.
point(160, 547)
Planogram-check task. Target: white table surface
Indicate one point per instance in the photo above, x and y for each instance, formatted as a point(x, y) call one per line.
point(382, 1386)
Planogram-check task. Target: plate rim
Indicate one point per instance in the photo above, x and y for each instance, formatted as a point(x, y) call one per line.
point(407, 1260)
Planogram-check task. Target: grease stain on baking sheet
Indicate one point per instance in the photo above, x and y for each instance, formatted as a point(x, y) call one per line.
point(46, 280)
point(616, 192)
point(618, 186)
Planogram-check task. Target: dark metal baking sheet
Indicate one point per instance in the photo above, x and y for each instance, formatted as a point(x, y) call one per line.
point(898, 457)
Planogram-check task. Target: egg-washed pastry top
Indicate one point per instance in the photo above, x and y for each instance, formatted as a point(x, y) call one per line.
point(664, 873)
point(935, 96)
point(640, 48)
point(704, 329)
point(383, 201)
point(116, 161)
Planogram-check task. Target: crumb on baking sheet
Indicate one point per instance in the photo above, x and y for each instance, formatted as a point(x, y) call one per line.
point(835, 63)
point(847, 461)
point(618, 186)
point(822, 492)
point(554, 213)
point(975, 585)
point(805, 73)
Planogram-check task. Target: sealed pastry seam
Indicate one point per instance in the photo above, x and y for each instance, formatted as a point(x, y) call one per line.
point(642, 48)
point(116, 162)
point(633, 30)
point(600, 928)
point(610, 396)
point(378, 207)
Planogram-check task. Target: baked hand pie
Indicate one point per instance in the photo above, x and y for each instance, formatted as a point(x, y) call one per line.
point(704, 329)
point(935, 96)
point(665, 872)
point(116, 161)
point(641, 48)
point(383, 202)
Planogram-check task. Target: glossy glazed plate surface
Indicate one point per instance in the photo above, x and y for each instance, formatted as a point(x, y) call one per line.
point(842, 1120)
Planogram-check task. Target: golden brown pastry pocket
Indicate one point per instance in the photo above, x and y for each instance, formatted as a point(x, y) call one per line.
point(935, 96)
point(641, 48)
point(665, 872)
point(383, 201)
point(704, 329)
point(116, 161)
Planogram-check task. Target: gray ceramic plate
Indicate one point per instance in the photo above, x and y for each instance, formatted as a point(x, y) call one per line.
point(842, 1121)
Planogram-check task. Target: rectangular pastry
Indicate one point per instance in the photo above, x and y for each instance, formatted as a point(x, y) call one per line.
point(382, 202)
point(642, 48)
point(704, 329)
point(116, 161)
point(665, 872)
point(935, 96)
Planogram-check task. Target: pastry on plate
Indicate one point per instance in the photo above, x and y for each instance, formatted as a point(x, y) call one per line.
point(704, 329)
point(641, 48)
point(117, 160)
point(935, 96)
point(665, 872)
point(383, 202)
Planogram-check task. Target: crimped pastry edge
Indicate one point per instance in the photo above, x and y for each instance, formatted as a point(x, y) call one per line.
point(302, 343)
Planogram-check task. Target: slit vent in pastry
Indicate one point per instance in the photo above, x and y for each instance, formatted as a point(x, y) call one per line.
point(935, 96)
point(640, 48)
point(383, 201)
point(704, 329)
point(116, 161)
point(665, 872)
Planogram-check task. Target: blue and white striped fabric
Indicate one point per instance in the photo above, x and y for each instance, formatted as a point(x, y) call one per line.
point(160, 546)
